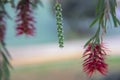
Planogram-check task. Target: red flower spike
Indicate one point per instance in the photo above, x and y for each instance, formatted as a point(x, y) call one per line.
point(95, 60)
point(2, 27)
point(25, 19)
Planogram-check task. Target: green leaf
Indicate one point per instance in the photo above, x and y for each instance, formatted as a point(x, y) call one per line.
point(101, 18)
point(6, 71)
point(114, 20)
point(5, 58)
point(100, 6)
point(0, 73)
point(118, 21)
point(94, 21)
point(4, 50)
point(112, 7)
point(88, 42)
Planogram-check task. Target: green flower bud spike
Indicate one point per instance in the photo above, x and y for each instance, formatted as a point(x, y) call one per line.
point(58, 11)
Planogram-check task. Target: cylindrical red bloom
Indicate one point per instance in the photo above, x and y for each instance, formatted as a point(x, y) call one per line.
point(95, 59)
point(25, 19)
point(2, 26)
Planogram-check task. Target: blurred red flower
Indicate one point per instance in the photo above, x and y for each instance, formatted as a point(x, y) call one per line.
point(2, 26)
point(25, 19)
point(95, 60)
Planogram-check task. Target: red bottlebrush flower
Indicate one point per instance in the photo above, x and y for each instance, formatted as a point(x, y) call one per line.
point(25, 19)
point(2, 26)
point(95, 60)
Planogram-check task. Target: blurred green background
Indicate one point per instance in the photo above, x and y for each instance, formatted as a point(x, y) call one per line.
point(70, 69)
point(40, 58)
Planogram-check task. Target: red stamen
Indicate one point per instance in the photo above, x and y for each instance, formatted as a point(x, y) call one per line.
point(95, 60)
point(24, 18)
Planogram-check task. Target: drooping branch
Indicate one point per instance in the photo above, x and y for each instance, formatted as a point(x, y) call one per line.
point(4, 54)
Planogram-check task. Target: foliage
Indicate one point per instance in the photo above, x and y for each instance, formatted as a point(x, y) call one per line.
point(104, 10)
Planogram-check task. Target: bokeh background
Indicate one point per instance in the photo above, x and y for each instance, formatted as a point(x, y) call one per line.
point(39, 57)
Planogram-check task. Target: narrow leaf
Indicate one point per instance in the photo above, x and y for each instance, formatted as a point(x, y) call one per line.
point(94, 21)
point(88, 42)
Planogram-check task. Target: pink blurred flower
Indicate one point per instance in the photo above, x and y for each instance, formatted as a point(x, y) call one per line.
point(95, 59)
point(25, 19)
point(2, 26)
